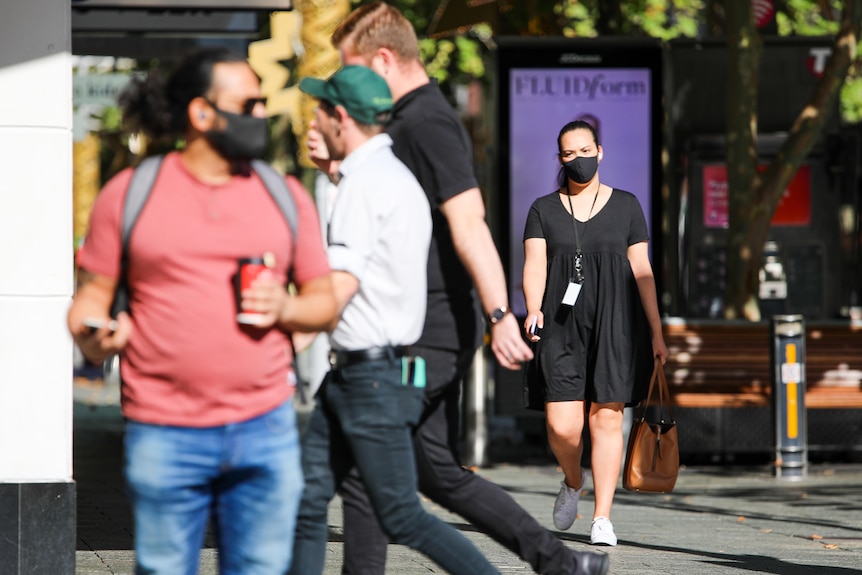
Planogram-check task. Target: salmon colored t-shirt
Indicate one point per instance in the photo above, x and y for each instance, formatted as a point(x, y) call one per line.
point(188, 361)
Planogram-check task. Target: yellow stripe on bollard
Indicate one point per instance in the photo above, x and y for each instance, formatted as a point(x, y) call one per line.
point(792, 402)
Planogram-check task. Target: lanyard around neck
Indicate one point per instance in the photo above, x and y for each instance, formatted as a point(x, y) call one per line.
point(579, 276)
point(589, 216)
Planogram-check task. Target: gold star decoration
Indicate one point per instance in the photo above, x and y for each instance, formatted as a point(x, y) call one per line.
point(269, 59)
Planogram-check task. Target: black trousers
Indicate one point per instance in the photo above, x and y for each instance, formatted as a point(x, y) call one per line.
point(443, 480)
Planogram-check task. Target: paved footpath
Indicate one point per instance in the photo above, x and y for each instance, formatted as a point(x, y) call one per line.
point(719, 519)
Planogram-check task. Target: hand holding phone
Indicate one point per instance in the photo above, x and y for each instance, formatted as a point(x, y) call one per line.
point(100, 336)
point(95, 324)
point(533, 329)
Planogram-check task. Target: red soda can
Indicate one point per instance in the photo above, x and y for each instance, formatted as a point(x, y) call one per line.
point(249, 270)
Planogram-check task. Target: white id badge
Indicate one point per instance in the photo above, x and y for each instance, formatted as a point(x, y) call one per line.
point(572, 292)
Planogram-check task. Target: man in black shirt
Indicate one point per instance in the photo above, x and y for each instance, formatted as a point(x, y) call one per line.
point(430, 139)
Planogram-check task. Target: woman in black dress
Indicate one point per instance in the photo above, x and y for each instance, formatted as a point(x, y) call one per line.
point(590, 292)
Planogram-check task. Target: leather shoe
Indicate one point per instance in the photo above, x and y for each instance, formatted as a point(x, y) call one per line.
point(587, 563)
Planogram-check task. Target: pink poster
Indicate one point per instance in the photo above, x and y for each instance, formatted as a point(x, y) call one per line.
point(794, 209)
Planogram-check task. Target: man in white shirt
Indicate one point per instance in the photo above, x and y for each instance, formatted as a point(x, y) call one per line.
point(379, 234)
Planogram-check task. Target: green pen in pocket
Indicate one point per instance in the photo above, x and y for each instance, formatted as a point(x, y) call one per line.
point(413, 371)
point(418, 372)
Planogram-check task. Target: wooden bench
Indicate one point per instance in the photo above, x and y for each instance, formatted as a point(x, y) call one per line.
point(727, 364)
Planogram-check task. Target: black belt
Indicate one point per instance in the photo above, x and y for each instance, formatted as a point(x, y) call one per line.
point(342, 358)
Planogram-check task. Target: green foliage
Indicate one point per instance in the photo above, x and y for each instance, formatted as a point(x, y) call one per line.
point(581, 20)
point(111, 118)
point(665, 19)
point(822, 18)
point(470, 57)
point(809, 18)
point(437, 55)
point(457, 59)
point(851, 99)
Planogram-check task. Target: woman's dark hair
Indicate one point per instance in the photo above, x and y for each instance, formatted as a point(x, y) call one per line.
point(571, 127)
point(157, 106)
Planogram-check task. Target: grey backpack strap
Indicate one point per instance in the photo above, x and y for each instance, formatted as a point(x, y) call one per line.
point(280, 192)
point(282, 195)
point(142, 182)
point(137, 193)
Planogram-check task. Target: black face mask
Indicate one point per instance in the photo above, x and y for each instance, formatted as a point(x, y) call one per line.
point(582, 169)
point(243, 138)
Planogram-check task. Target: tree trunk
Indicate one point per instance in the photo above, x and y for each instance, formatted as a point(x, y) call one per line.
point(743, 71)
point(753, 201)
point(808, 127)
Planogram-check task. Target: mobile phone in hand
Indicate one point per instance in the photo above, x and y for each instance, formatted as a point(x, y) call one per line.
point(95, 324)
point(534, 327)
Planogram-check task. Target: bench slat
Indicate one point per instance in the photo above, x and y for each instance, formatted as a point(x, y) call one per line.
point(728, 365)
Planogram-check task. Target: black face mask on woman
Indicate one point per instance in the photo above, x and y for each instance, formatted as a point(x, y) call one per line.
point(582, 169)
point(244, 137)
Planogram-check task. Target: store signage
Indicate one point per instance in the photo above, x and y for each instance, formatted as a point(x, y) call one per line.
point(100, 89)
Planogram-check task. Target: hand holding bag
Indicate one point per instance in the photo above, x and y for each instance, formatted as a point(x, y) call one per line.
point(652, 457)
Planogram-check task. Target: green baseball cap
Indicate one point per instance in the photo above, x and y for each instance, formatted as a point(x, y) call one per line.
point(363, 93)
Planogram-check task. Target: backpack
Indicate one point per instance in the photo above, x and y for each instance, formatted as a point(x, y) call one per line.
point(143, 179)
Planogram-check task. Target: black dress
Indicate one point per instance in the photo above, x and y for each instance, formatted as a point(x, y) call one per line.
point(600, 349)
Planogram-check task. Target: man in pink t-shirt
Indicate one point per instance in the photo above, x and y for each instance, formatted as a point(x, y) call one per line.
point(207, 400)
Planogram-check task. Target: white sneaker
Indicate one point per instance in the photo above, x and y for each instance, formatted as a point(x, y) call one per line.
point(566, 505)
point(602, 532)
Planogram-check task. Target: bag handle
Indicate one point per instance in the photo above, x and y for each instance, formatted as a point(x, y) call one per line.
point(663, 390)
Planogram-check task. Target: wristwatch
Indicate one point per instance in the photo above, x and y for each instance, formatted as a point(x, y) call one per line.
point(497, 314)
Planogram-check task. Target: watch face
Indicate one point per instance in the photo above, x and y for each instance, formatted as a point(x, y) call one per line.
point(497, 314)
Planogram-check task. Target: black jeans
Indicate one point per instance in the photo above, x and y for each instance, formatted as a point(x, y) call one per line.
point(363, 420)
point(442, 479)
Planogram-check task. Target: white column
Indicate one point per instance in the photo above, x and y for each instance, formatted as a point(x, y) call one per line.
point(36, 268)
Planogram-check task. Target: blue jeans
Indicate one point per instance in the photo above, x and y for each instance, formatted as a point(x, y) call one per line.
point(364, 417)
point(247, 474)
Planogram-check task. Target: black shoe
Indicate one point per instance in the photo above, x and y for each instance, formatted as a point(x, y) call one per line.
point(587, 563)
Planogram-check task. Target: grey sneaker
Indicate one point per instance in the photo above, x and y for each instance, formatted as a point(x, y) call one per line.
point(602, 532)
point(566, 505)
